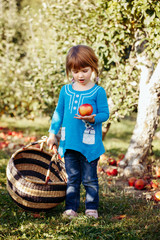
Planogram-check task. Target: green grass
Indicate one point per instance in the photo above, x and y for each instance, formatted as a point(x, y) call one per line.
point(141, 221)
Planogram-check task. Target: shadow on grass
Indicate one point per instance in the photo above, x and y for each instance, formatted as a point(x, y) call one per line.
point(141, 221)
point(125, 136)
point(115, 151)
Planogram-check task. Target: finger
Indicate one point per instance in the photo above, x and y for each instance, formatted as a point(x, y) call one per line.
point(50, 147)
point(55, 148)
point(77, 116)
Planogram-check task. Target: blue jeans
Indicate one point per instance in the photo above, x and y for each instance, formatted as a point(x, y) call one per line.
point(80, 170)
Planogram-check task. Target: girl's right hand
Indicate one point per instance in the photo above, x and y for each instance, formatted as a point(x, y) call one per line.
point(52, 142)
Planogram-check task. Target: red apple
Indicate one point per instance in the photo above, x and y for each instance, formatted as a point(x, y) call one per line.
point(157, 196)
point(112, 161)
point(131, 181)
point(114, 172)
point(139, 184)
point(108, 171)
point(85, 109)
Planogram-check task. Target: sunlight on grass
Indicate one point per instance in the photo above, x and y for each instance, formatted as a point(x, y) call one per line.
point(37, 126)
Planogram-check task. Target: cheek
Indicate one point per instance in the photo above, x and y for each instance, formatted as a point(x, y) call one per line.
point(89, 75)
point(74, 75)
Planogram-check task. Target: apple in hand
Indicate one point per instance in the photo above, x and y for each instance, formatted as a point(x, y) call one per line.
point(85, 109)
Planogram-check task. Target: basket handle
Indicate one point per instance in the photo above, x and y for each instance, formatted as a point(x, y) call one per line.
point(56, 158)
point(41, 142)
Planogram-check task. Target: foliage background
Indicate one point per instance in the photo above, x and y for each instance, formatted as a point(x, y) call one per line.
point(36, 35)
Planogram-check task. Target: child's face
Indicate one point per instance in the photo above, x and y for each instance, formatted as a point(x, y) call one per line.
point(83, 75)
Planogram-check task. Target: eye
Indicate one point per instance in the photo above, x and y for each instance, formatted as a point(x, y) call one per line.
point(85, 70)
point(74, 71)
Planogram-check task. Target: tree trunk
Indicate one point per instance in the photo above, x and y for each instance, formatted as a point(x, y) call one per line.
point(147, 119)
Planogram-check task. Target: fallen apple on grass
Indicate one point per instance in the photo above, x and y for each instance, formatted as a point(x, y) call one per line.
point(114, 172)
point(139, 184)
point(111, 171)
point(108, 171)
point(157, 196)
point(131, 181)
point(112, 161)
point(85, 109)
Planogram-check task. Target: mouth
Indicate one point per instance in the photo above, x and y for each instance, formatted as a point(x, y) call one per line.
point(81, 80)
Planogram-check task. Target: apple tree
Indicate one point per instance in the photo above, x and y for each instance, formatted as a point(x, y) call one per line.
point(31, 74)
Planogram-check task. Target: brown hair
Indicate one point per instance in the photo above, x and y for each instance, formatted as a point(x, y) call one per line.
point(81, 56)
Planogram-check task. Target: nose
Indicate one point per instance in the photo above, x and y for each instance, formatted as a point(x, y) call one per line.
point(80, 75)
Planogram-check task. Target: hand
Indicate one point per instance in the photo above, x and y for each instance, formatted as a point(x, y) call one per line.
point(52, 142)
point(89, 118)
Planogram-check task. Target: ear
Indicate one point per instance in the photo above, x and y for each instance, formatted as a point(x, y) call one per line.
point(93, 76)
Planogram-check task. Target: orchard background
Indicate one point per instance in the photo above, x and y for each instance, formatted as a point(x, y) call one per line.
point(35, 37)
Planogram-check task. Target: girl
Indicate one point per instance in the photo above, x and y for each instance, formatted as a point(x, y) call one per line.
point(81, 136)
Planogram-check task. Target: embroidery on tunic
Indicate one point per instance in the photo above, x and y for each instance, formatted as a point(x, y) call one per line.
point(79, 97)
point(89, 134)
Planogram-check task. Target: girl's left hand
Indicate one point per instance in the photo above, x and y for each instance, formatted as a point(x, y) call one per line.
point(89, 118)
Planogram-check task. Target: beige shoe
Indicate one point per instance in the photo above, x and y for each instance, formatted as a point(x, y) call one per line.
point(70, 214)
point(91, 213)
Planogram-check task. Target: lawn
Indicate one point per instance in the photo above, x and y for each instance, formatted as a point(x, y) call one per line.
point(121, 216)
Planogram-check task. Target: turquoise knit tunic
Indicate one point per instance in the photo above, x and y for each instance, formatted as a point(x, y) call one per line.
point(77, 134)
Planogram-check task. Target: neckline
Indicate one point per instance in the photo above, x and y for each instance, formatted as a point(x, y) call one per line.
point(84, 91)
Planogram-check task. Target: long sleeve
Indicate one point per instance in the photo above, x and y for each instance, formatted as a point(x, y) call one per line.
point(58, 114)
point(75, 133)
point(102, 107)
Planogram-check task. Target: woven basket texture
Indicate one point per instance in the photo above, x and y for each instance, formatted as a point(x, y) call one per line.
point(26, 173)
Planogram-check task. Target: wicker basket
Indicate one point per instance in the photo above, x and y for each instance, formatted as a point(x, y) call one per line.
point(36, 180)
